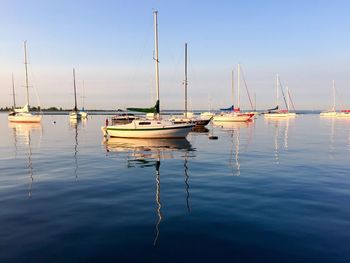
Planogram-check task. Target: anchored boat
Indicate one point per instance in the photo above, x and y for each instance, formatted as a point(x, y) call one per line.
point(276, 112)
point(23, 114)
point(233, 114)
point(75, 113)
point(155, 128)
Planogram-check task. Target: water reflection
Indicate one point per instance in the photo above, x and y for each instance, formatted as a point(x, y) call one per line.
point(200, 129)
point(74, 124)
point(159, 204)
point(279, 125)
point(233, 129)
point(22, 133)
point(147, 153)
point(331, 141)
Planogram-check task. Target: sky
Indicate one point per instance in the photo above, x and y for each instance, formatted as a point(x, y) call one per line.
point(110, 44)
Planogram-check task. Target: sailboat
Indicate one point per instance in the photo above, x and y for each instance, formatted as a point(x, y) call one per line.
point(275, 112)
point(83, 113)
point(332, 112)
point(155, 128)
point(189, 117)
point(23, 114)
point(75, 114)
point(233, 114)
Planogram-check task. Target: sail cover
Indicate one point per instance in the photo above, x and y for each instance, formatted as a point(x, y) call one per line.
point(228, 109)
point(154, 109)
point(276, 108)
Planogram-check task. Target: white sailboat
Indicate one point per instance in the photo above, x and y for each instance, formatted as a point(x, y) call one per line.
point(150, 128)
point(234, 115)
point(83, 113)
point(23, 114)
point(209, 113)
point(276, 113)
point(74, 114)
point(332, 112)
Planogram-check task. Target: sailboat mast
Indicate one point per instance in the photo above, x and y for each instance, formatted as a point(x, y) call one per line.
point(287, 90)
point(83, 96)
point(333, 95)
point(233, 88)
point(277, 93)
point(26, 70)
point(185, 82)
point(155, 13)
point(75, 92)
point(13, 93)
point(239, 87)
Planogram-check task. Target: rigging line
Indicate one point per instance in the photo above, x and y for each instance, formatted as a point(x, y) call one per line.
point(339, 98)
point(290, 98)
point(284, 97)
point(34, 81)
point(246, 87)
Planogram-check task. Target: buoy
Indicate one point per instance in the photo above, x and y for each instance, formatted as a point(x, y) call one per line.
point(54, 122)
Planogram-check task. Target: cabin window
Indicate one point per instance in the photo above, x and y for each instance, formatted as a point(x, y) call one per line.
point(144, 123)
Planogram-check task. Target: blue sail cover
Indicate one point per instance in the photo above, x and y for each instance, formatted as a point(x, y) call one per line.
point(228, 109)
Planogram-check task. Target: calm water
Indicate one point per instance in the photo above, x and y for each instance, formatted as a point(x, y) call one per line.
point(273, 191)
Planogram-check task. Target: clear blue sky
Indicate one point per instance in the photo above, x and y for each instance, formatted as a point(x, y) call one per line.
point(110, 43)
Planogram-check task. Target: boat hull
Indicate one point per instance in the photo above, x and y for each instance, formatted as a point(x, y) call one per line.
point(25, 118)
point(83, 114)
point(343, 115)
point(233, 117)
point(280, 115)
point(74, 115)
point(328, 114)
point(148, 129)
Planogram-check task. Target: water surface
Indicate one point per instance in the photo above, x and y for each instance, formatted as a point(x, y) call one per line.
point(274, 191)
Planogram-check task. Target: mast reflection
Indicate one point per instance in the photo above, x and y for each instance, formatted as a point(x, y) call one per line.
point(278, 124)
point(73, 123)
point(187, 186)
point(147, 153)
point(233, 129)
point(22, 133)
point(159, 204)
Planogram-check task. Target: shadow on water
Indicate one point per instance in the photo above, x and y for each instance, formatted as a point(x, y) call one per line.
point(149, 153)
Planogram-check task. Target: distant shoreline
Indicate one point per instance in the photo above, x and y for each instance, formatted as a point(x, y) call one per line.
point(164, 112)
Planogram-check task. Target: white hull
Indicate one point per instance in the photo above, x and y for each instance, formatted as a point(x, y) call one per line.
point(25, 118)
point(83, 114)
point(343, 115)
point(151, 129)
point(329, 114)
point(73, 115)
point(280, 115)
point(207, 115)
point(233, 117)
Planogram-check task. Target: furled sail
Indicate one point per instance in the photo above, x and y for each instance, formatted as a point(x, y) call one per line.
point(228, 109)
point(276, 108)
point(154, 109)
